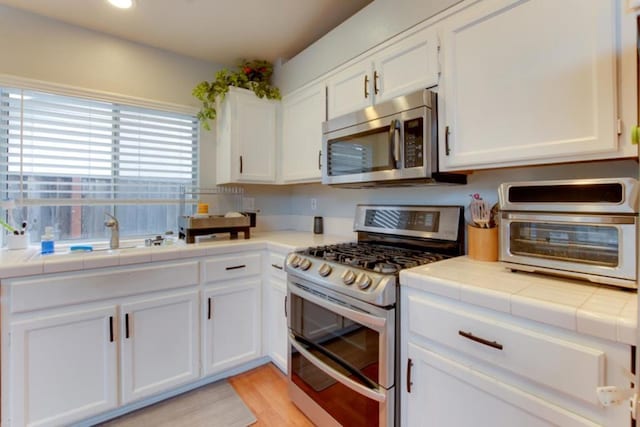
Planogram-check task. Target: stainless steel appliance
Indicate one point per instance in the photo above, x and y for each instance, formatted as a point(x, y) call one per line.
point(343, 314)
point(391, 143)
point(586, 228)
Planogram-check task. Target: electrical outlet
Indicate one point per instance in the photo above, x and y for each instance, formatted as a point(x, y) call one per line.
point(314, 204)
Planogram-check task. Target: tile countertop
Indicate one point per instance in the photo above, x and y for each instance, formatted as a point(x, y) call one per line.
point(599, 311)
point(28, 262)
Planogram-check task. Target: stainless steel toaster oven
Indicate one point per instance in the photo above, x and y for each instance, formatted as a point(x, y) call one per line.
point(583, 228)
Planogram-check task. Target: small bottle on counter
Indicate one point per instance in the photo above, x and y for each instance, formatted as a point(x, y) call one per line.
point(47, 244)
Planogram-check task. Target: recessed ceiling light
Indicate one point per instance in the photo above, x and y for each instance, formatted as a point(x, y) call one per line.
point(122, 4)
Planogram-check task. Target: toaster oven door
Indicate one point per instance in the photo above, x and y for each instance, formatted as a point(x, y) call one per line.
point(602, 246)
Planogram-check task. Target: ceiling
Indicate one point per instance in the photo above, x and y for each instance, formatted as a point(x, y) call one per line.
point(220, 31)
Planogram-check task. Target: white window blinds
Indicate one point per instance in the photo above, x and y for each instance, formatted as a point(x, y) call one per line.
point(60, 150)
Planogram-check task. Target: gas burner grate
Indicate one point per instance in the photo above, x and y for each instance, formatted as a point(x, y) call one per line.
point(373, 257)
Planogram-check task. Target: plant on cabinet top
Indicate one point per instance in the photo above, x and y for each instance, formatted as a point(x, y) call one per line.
point(253, 75)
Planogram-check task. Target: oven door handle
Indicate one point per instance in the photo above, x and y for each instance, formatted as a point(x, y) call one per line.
point(346, 381)
point(373, 322)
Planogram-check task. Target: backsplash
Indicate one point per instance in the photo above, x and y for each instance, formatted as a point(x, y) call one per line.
point(290, 207)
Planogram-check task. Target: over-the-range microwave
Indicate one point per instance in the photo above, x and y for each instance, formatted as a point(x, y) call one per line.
point(392, 143)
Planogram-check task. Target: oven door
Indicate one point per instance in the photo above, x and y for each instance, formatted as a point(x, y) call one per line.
point(341, 357)
point(599, 248)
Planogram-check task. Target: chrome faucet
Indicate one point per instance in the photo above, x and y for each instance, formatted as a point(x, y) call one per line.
point(112, 223)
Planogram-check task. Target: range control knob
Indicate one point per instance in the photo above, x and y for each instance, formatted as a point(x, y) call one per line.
point(325, 270)
point(294, 261)
point(305, 264)
point(363, 281)
point(348, 277)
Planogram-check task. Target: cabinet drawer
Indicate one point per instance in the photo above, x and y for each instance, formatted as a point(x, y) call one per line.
point(73, 288)
point(231, 267)
point(276, 266)
point(555, 362)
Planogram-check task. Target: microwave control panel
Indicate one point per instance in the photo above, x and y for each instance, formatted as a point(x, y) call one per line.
point(413, 143)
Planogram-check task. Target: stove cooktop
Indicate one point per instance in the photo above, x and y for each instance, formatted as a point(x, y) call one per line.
point(373, 257)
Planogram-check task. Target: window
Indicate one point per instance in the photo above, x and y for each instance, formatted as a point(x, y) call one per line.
point(65, 161)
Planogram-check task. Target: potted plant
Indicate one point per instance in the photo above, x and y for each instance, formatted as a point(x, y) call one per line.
point(253, 75)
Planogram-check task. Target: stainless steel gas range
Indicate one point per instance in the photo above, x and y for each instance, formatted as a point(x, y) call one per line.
point(343, 313)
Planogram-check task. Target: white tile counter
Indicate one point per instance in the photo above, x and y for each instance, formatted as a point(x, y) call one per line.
point(595, 310)
point(17, 263)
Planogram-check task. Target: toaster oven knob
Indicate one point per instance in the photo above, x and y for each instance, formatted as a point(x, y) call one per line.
point(363, 281)
point(305, 264)
point(324, 270)
point(348, 277)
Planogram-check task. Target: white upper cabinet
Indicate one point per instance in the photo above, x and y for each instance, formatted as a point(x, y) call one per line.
point(408, 64)
point(528, 82)
point(246, 138)
point(302, 115)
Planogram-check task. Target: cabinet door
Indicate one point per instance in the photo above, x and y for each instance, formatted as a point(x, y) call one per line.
point(276, 327)
point(350, 90)
point(406, 66)
point(529, 82)
point(63, 367)
point(231, 322)
point(302, 117)
point(255, 134)
point(159, 344)
point(448, 393)
point(246, 138)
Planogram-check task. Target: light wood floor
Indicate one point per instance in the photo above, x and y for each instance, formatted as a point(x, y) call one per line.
point(264, 391)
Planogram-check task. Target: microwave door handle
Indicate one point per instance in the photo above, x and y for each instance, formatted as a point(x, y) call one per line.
point(394, 147)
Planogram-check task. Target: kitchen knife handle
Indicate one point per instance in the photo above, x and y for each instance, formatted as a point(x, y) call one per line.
point(209, 308)
point(375, 82)
point(447, 149)
point(366, 86)
point(126, 325)
point(110, 328)
point(409, 382)
point(240, 164)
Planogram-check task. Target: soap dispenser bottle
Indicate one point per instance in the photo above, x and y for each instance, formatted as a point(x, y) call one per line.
point(46, 243)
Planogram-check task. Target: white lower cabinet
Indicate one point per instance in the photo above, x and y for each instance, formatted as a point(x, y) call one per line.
point(231, 324)
point(159, 344)
point(276, 324)
point(63, 367)
point(464, 365)
point(447, 393)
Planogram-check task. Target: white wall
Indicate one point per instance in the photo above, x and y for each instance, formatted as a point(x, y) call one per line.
point(335, 203)
point(372, 25)
point(44, 49)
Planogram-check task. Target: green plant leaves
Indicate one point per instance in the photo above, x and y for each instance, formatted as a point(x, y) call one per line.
point(253, 75)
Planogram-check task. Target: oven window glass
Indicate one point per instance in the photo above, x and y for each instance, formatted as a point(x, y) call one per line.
point(343, 345)
point(343, 404)
point(585, 244)
point(365, 152)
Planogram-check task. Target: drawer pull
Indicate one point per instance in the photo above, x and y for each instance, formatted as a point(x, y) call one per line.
point(235, 267)
point(279, 267)
point(469, 335)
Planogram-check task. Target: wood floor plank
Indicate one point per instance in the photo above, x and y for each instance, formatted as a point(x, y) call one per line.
point(264, 391)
